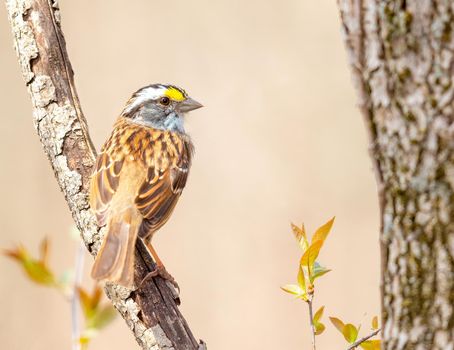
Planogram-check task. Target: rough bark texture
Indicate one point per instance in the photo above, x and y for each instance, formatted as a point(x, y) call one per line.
point(402, 58)
point(151, 311)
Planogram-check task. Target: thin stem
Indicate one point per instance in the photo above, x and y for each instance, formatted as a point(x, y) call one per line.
point(311, 320)
point(75, 310)
point(363, 339)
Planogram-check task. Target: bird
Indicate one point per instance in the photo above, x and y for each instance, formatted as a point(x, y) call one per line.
point(139, 176)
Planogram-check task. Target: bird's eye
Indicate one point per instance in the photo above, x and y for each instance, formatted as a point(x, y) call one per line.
point(164, 101)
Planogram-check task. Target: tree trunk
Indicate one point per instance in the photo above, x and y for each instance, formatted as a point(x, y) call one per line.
point(402, 58)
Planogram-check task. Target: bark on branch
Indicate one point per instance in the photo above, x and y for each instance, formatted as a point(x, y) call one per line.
point(402, 57)
point(151, 312)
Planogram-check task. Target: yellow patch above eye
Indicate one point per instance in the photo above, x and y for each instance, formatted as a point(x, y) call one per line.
point(175, 94)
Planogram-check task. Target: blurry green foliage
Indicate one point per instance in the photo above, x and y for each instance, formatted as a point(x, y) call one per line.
point(96, 315)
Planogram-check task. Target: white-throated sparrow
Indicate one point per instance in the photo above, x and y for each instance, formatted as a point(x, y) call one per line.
point(139, 176)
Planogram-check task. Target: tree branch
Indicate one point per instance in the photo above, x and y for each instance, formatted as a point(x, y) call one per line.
point(151, 312)
point(363, 339)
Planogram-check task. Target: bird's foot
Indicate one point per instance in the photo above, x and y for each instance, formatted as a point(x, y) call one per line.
point(161, 271)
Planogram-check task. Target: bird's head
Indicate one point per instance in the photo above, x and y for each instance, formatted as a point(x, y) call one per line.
point(160, 106)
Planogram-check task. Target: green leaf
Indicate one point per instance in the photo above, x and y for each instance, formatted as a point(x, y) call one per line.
point(85, 302)
point(301, 279)
point(323, 231)
point(319, 271)
point(96, 316)
point(309, 256)
point(96, 296)
point(89, 302)
point(371, 344)
point(337, 323)
point(39, 273)
point(301, 237)
point(102, 318)
point(293, 289)
point(375, 323)
point(350, 333)
point(319, 326)
point(36, 269)
point(318, 315)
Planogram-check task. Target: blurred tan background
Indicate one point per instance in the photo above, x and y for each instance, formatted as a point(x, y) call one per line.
point(280, 140)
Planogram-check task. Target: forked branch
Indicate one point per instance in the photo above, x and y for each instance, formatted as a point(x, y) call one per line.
point(151, 312)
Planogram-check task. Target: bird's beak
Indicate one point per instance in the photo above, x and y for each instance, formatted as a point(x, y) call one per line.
point(188, 105)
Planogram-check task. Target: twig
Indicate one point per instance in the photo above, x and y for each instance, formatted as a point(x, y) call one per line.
point(311, 320)
point(75, 314)
point(151, 312)
point(363, 339)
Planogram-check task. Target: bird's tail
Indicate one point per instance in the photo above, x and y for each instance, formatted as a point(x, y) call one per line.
point(115, 259)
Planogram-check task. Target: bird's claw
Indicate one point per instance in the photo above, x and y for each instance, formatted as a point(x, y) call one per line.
point(161, 271)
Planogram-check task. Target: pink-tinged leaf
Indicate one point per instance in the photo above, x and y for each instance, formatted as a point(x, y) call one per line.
point(318, 315)
point(300, 235)
point(301, 279)
point(337, 323)
point(19, 254)
point(309, 256)
point(85, 302)
point(90, 302)
point(350, 333)
point(96, 296)
point(44, 250)
point(319, 271)
point(371, 344)
point(323, 231)
point(35, 269)
point(375, 322)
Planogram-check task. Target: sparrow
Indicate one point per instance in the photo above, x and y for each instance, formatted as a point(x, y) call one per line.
point(139, 176)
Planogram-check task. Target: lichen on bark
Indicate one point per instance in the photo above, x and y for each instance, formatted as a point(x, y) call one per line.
point(402, 55)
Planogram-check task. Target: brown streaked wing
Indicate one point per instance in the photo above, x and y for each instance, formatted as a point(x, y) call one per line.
point(159, 194)
point(104, 184)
